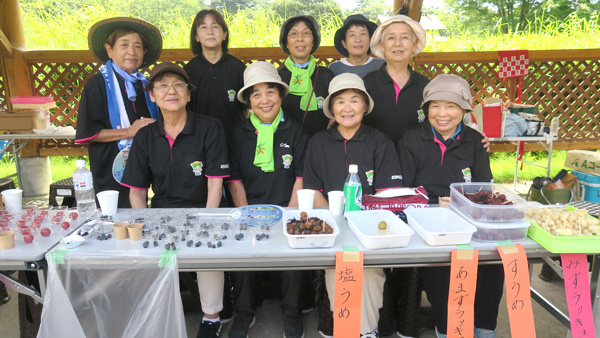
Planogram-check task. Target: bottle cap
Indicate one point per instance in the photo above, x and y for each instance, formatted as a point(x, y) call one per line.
point(353, 168)
point(80, 163)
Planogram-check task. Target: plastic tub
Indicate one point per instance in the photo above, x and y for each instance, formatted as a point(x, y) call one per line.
point(311, 241)
point(487, 212)
point(365, 224)
point(493, 232)
point(440, 226)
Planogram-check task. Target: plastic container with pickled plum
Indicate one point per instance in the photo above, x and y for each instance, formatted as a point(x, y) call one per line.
point(487, 212)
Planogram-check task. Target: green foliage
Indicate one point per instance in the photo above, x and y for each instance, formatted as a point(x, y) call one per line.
point(372, 8)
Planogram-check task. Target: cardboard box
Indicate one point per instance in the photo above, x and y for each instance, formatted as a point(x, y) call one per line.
point(583, 160)
point(22, 122)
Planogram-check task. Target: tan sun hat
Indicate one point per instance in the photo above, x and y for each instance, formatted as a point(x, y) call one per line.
point(261, 72)
point(100, 31)
point(414, 26)
point(342, 82)
point(449, 87)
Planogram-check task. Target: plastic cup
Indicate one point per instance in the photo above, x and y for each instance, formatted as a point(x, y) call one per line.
point(135, 231)
point(7, 240)
point(13, 200)
point(306, 198)
point(109, 200)
point(336, 202)
point(121, 230)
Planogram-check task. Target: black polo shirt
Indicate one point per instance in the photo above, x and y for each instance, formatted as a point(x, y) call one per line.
point(389, 117)
point(329, 154)
point(178, 169)
point(217, 86)
point(289, 143)
point(92, 118)
point(424, 163)
point(315, 121)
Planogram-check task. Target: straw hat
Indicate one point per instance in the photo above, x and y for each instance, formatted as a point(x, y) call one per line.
point(449, 87)
point(340, 34)
point(260, 72)
point(342, 82)
point(102, 29)
point(414, 26)
point(288, 24)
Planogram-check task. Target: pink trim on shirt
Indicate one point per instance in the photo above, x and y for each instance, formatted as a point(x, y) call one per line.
point(132, 187)
point(86, 140)
point(218, 176)
point(442, 148)
point(398, 90)
point(298, 178)
point(382, 189)
point(171, 141)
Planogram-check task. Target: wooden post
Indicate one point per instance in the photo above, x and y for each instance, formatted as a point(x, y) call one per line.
point(414, 9)
point(18, 77)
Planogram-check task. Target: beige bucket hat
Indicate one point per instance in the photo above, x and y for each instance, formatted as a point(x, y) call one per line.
point(415, 26)
point(342, 82)
point(260, 72)
point(449, 87)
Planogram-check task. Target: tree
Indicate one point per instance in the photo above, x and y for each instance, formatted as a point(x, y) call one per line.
point(316, 8)
point(372, 8)
point(511, 14)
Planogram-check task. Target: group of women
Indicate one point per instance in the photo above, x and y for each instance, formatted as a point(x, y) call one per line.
point(264, 133)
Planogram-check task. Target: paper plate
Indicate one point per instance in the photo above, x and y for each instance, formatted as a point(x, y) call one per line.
point(258, 214)
point(118, 167)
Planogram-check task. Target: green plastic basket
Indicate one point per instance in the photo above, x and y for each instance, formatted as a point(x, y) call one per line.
point(564, 244)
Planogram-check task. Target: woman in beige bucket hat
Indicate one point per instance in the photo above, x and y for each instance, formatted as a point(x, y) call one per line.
point(266, 154)
point(328, 156)
point(440, 151)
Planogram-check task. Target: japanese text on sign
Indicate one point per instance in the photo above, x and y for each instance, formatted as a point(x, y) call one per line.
point(577, 289)
point(461, 296)
point(348, 294)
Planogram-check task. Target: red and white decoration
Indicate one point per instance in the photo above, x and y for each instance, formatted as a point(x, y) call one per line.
point(513, 63)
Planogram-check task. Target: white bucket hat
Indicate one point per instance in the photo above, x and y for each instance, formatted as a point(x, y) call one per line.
point(342, 82)
point(449, 87)
point(414, 26)
point(261, 72)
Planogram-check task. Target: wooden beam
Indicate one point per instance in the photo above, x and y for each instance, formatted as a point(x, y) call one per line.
point(414, 9)
point(5, 46)
point(64, 151)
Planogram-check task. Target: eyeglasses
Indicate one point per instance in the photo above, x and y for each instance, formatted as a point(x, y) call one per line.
point(163, 87)
point(305, 34)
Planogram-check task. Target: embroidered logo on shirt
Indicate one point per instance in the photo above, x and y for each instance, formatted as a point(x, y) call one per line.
point(197, 168)
point(231, 94)
point(224, 166)
point(297, 80)
point(421, 115)
point(320, 102)
point(287, 160)
point(284, 145)
point(260, 148)
point(370, 174)
point(396, 177)
point(467, 174)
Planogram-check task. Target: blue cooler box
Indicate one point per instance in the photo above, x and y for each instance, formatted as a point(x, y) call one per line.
point(589, 186)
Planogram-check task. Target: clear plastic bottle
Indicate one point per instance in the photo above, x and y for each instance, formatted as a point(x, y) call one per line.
point(353, 190)
point(554, 126)
point(84, 190)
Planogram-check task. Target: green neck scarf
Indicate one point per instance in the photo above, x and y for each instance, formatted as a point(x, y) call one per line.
point(263, 157)
point(301, 85)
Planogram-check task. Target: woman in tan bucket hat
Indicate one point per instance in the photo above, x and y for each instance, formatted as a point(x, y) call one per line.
point(328, 156)
point(436, 153)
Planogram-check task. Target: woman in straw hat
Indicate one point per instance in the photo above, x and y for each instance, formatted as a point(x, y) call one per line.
point(183, 156)
point(113, 104)
point(217, 75)
point(299, 38)
point(269, 176)
point(436, 153)
point(353, 40)
point(328, 156)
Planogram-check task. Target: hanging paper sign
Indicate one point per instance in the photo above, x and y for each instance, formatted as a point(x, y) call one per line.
point(461, 295)
point(513, 63)
point(577, 289)
point(518, 296)
point(348, 293)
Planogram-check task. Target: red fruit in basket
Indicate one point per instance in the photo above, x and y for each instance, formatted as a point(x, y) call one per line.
point(65, 225)
point(45, 232)
point(60, 213)
point(74, 215)
point(44, 212)
point(28, 238)
point(30, 211)
point(21, 224)
point(38, 218)
point(36, 224)
point(25, 230)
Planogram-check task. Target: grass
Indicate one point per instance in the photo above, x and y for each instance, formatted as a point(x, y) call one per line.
point(259, 27)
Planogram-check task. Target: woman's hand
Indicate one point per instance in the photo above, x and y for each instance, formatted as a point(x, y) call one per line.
point(485, 141)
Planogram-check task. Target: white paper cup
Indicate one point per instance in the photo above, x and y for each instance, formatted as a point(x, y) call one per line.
point(336, 202)
point(109, 200)
point(306, 198)
point(13, 200)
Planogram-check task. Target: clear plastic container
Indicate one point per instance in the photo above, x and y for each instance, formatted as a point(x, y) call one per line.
point(311, 241)
point(365, 224)
point(493, 232)
point(487, 212)
point(440, 226)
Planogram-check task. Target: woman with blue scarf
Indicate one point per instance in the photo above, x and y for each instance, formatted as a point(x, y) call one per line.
point(113, 104)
